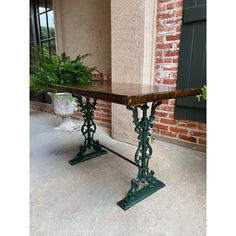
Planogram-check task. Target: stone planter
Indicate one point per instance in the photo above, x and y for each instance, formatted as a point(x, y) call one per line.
point(64, 106)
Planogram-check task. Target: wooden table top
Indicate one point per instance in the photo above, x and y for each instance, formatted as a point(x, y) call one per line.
point(127, 94)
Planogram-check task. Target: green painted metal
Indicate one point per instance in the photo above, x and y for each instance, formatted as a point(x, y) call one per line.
point(119, 155)
point(88, 130)
point(87, 157)
point(128, 202)
point(142, 157)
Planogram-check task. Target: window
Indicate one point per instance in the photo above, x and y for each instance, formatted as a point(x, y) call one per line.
point(42, 28)
point(42, 32)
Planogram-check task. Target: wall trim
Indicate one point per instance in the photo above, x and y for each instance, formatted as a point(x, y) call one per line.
point(58, 26)
point(150, 19)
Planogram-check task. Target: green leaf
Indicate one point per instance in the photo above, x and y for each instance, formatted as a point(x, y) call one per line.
point(203, 95)
point(46, 70)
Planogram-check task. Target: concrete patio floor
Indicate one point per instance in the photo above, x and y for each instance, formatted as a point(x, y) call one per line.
point(81, 200)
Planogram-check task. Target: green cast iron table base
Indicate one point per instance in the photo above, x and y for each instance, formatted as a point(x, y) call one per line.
point(87, 157)
point(141, 194)
point(142, 155)
point(88, 129)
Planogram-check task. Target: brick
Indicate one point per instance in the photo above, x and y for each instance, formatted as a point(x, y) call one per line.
point(163, 60)
point(100, 104)
point(106, 120)
point(168, 22)
point(159, 39)
point(167, 108)
point(179, 4)
point(164, 45)
point(174, 22)
point(167, 121)
point(157, 67)
point(102, 109)
point(159, 54)
point(179, 13)
point(202, 127)
point(160, 126)
point(161, 114)
point(97, 118)
point(169, 81)
point(166, 15)
point(169, 29)
point(162, 8)
point(170, 6)
point(202, 141)
point(188, 138)
point(102, 115)
point(179, 130)
point(171, 115)
point(154, 131)
point(172, 102)
point(174, 75)
point(167, 133)
point(171, 53)
point(197, 133)
point(175, 60)
point(187, 124)
point(178, 29)
point(161, 30)
point(159, 25)
point(173, 37)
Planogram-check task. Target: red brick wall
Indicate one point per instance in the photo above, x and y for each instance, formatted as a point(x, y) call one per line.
point(169, 16)
point(102, 115)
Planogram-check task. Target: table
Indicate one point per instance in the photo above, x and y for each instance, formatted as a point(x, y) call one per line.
point(134, 96)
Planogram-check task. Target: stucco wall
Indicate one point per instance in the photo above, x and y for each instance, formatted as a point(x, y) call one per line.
point(133, 24)
point(127, 40)
point(127, 20)
point(84, 26)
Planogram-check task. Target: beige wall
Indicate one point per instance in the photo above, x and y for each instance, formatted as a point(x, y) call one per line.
point(84, 26)
point(133, 31)
point(127, 22)
point(120, 35)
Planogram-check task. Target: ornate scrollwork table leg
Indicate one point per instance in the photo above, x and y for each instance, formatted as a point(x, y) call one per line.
point(88, 130)
point(142, 157)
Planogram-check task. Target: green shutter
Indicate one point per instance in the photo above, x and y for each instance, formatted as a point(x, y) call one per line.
point(192, 60)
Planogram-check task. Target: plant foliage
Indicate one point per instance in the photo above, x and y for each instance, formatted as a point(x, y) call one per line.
point(54, 69)
point(203, 94)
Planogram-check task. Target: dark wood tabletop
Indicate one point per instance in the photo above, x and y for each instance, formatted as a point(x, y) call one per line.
point(127, 94)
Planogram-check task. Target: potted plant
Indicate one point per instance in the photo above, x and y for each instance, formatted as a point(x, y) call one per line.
point(54, 69)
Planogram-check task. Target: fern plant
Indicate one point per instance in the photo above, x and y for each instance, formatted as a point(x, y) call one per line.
point(46, 70)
